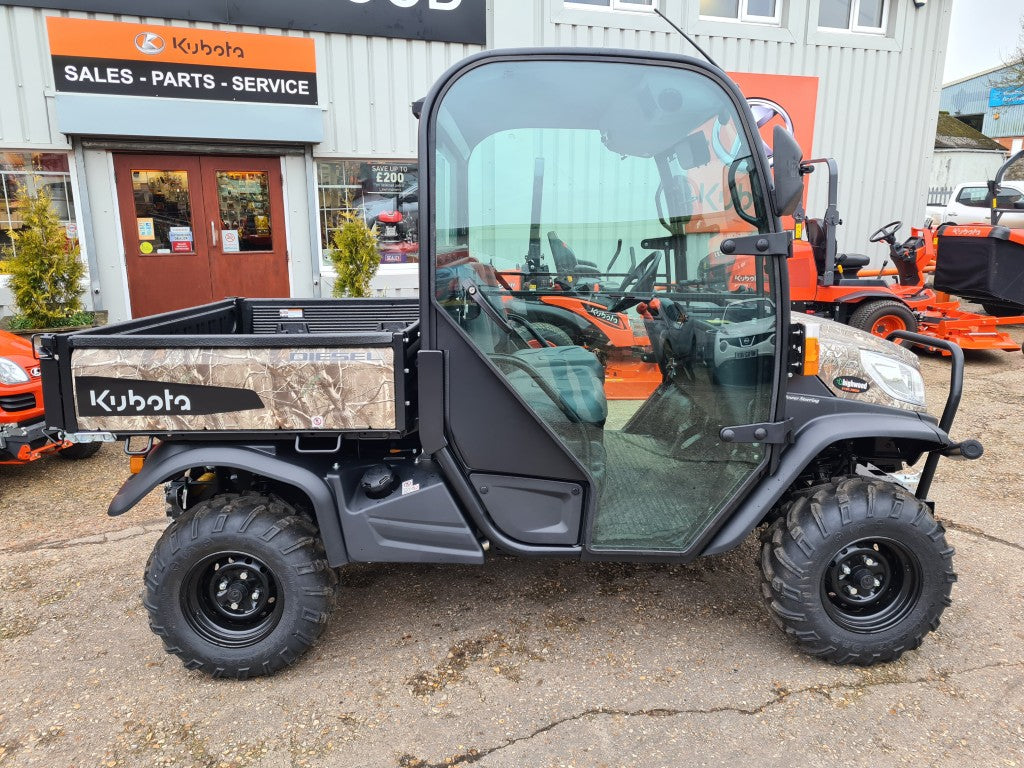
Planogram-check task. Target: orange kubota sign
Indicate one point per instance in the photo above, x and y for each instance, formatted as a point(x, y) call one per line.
point(120, 58)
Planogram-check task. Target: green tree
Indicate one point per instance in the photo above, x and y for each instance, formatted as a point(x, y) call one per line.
point(354, 255)
point(45, 273)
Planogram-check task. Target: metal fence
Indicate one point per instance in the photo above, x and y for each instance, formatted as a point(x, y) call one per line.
point(939, 195)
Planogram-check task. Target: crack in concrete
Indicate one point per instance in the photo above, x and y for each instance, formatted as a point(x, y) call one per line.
point(782, 694)
point(970, 530)
point(147, 526)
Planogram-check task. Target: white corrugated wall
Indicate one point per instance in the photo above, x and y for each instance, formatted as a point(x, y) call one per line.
point(26, 83)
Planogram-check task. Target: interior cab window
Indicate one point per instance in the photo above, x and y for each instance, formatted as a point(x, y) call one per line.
point(580, 253)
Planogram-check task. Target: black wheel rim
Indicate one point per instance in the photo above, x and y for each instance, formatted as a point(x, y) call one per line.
point(871, 585)
point(232, 599)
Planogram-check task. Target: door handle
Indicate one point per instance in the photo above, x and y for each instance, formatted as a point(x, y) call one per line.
point(213, 233)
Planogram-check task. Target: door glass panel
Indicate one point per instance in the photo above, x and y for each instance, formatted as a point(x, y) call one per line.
point(163, 212)
point(243, 199)
point(585, 264)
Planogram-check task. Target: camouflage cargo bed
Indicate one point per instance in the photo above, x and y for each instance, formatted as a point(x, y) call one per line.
point(250, 365)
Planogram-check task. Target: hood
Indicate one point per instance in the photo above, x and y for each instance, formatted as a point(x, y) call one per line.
point(839, 348)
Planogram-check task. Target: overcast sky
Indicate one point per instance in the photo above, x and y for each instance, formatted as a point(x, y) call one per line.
point(983, 34)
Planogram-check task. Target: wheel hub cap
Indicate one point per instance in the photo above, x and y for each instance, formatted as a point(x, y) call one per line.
point(231, 599)
point(871, 585)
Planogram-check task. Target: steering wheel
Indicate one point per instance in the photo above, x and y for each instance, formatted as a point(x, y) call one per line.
point(642, 274)
point(888, 232)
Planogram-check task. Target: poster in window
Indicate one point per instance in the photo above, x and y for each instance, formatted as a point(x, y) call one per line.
point(385, 193)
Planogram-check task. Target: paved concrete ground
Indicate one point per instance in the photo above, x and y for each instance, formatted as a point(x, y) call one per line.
point(516, 663)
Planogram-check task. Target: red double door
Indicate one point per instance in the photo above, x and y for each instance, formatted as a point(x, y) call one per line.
point(197, 228)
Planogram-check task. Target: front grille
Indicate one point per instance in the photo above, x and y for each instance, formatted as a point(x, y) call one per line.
point(13, 403)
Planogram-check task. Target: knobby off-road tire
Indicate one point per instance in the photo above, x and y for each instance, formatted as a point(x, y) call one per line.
point(883, 316)
point(80, 451)
point(239, 586)
point(870, 536)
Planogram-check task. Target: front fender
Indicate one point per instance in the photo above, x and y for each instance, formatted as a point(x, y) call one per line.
point(812, 438)
point(170, 459)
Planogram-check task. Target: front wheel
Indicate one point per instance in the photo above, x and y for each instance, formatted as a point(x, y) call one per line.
point(238, 586)
point(857, 573)
point(78, 451)
point(882, 317)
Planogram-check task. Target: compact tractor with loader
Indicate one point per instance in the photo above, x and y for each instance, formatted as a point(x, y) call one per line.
point(441, 429)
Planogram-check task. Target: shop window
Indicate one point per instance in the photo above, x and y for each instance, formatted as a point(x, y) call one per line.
point(870, 16)
point(616, 5)
point(756, 11)
point(33, 171)
point(384, 192)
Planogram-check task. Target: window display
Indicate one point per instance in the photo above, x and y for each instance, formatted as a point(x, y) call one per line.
point(35, 171)
point(384, 192)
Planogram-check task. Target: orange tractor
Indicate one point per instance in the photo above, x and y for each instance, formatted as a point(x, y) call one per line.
point(838, 286)
point(23, 437)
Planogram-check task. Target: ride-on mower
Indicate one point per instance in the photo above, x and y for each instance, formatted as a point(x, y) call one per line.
point(985, 263)
point(826, 283)
point(432, 431)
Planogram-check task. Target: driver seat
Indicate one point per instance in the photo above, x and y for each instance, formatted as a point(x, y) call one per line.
point(817, 237)
point(566, 262)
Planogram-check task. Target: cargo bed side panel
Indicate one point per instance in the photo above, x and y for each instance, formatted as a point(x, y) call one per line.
point(217, 389)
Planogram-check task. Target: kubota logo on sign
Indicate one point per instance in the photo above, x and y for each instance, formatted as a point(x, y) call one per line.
point(149, 43)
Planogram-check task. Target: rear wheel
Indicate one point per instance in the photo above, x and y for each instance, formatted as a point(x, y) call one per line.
point(1003, 310)
point(238, 586)
point(552, 334)
point(857, 573)
point(882, 317)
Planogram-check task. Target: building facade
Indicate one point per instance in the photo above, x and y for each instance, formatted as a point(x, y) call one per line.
point(988, 103)
point(197, 151)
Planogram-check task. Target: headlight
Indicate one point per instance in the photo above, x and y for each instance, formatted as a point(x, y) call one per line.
point(11, 372)
point(897, 379)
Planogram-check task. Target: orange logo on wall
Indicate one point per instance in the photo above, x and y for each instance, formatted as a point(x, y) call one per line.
point(787, 100)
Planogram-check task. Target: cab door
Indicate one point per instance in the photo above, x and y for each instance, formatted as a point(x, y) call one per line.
point(623, 188)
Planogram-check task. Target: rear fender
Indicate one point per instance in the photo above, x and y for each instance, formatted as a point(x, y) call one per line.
point(170, 459)
point(814, 437)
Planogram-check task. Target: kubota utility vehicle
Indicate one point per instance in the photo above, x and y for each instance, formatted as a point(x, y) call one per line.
point(23, 437)
point(300, 435)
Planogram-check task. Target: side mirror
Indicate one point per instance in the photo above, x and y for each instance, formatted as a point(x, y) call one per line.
point(789, 181)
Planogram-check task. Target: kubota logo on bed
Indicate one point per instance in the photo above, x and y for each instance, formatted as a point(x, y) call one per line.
point(103, 396)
